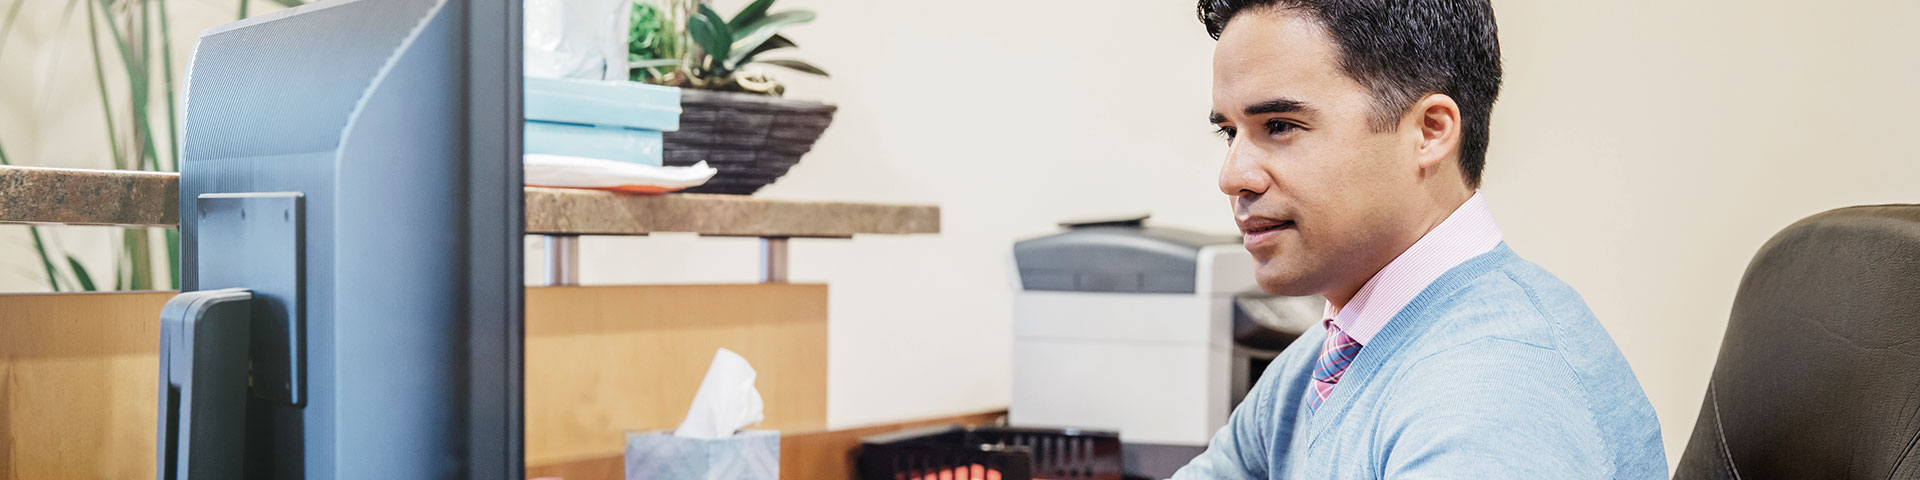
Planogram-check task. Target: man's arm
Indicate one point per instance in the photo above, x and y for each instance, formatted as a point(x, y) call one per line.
point(1245, 448)
point(1239, 450)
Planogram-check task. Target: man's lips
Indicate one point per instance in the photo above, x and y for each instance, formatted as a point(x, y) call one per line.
point(1253, 225)
point(1258, 230)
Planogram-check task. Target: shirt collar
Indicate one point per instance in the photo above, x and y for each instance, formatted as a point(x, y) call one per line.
point(1466, 233)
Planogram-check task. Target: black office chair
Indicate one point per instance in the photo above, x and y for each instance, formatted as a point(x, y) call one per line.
point(1819, 375)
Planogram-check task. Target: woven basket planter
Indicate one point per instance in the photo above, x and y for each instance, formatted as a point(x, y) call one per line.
point(751, 139)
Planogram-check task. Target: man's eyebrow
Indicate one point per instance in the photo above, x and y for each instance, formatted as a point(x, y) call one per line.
point(1278, 105)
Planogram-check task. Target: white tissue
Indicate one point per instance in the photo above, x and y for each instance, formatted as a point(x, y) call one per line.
point(576, 38)
point(726, 401)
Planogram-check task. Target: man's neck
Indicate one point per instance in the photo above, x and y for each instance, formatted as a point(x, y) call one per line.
point(1339, 297)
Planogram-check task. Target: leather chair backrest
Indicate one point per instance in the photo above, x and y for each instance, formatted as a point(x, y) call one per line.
point(1819, 375)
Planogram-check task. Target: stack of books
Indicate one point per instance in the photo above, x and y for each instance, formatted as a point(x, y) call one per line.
point(608, 120)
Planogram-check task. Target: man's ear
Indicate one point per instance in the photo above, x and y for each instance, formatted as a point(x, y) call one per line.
point(1436, 118)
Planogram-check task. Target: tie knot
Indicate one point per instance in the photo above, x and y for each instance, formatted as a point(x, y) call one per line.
point(1335, 355)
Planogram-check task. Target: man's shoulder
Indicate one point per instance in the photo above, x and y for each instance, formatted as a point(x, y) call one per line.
point(1516, 331)
point(1515, 301)
point(1501, 329)
point(1529, 327)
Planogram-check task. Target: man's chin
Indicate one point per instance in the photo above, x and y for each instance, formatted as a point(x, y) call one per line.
point(1276, 280)
point(1285, 290)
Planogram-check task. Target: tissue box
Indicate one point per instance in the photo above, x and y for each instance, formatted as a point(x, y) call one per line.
point(748, 455)
point(612, 120)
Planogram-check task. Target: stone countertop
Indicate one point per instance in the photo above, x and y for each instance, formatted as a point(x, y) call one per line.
point(560, 211)
point(88, 197)
point(130, 198)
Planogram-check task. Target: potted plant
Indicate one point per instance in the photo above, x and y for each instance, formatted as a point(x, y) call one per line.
point(732, 116)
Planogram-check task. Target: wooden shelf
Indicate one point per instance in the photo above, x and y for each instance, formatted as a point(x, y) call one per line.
point(129, 198)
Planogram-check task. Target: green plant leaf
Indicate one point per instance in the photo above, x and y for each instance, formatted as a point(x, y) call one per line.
point(773, 43)
point(777, 41)
point(796, 65)
point(643, 28)
point(753, 13)
point(139, 254)
point(53, 275)
point(243, 9)
point(289, 3)
point(80, 273)
point(138, 80)
point(100, 80)
point(749, 39)
point(166, 72)
point(5, 28)
point(711, 33)
point(141, 80)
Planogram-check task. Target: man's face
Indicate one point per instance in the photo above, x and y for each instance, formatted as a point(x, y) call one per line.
point(1322, 198)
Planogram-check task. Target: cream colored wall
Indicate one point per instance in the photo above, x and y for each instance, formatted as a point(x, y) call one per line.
point(50, 115)
point(1642, 151)
point(1011, 115)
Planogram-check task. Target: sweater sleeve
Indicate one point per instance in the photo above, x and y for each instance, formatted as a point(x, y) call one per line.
point(1238, 450)
point(1491, 409)
point(1253, 443)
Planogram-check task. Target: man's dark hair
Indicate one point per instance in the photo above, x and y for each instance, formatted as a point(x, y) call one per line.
point(1403, 50)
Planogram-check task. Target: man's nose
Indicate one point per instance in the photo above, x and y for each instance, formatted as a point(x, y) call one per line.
point(1241, 174)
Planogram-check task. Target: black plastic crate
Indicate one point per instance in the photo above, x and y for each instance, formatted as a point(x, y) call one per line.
point(960, 453)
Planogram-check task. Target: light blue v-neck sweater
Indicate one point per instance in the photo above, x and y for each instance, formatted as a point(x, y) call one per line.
point(1496, 370)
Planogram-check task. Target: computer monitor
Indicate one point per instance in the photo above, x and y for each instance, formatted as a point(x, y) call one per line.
point(355, 166)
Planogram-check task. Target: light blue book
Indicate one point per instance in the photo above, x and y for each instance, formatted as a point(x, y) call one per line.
point(611, 143)
point(604, 103)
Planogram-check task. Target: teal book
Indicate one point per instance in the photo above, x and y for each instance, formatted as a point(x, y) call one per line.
point(603, 103)
point(610, 143)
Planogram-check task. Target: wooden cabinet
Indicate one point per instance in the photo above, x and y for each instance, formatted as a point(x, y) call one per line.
point(78, 372)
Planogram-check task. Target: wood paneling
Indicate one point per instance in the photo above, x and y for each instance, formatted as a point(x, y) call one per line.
point(820, 455)
point(77, 384)
point(605, 360)
point(78, 371)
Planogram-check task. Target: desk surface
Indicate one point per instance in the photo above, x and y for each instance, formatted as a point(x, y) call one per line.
point(130, 198)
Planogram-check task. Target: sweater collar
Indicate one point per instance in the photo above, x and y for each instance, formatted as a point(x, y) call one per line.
point(1466, 233)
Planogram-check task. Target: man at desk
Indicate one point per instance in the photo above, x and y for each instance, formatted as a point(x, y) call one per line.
point(1356, 133)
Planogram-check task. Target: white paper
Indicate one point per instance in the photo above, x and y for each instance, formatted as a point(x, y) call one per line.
point(582, 172)
point(726, 401)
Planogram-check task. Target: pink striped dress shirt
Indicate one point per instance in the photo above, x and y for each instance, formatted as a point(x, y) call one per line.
point(1465, 234)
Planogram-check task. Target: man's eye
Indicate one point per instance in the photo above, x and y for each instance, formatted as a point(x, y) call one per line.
point(1276, 127)
point(1226, 133)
